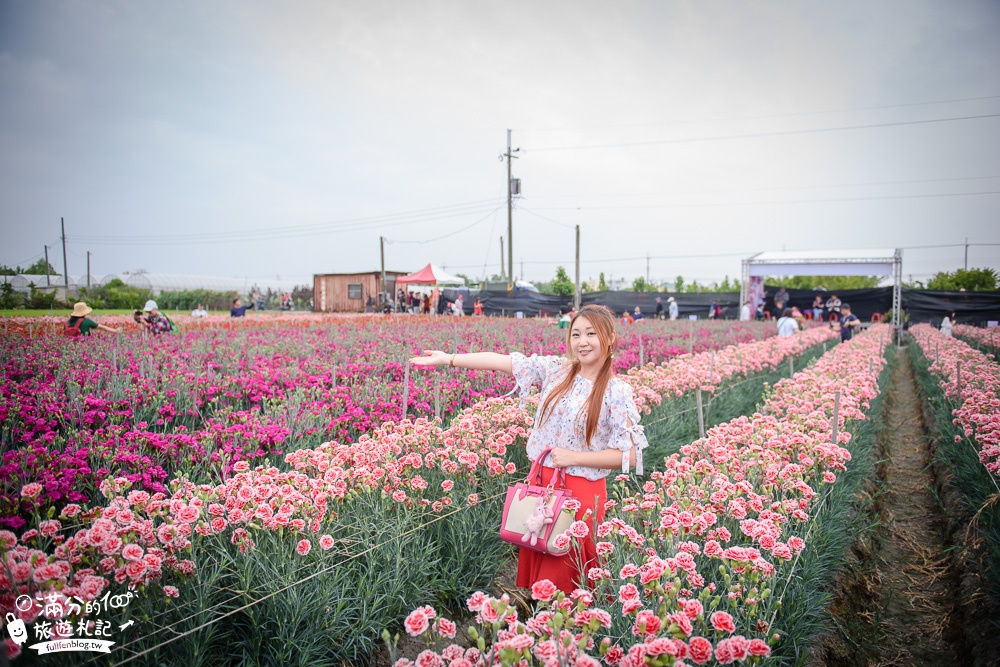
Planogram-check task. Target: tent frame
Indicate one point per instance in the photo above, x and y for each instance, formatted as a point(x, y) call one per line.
point(852, 263)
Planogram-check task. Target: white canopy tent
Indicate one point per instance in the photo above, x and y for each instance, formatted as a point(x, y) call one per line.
point(871, 262)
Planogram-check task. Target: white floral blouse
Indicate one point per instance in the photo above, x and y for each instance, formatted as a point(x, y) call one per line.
point(566, 427)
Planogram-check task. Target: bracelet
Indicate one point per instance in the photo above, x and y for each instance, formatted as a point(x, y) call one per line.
point(451, 364)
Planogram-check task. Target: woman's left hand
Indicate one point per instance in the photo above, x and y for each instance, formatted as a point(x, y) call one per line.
point(562, 458)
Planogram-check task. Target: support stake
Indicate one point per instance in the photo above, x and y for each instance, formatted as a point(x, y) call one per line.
point(437, 395)
point(701, 416)
point(406, 387)
point(836, 416)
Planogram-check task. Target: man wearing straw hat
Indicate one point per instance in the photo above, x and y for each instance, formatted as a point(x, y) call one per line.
point(79, 321)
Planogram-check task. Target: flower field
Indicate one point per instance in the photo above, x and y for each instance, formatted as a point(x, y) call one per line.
point(220, 532)
point(698, 565)
point(239, 390)
point(981, 338)
point(962, 388)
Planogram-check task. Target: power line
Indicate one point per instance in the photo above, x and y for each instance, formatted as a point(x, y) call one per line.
point(457, 231)
point(776, 187)
point(770, 202)
point(757, 135)
point(745, 253)
point(349, 224)
point(762, 117)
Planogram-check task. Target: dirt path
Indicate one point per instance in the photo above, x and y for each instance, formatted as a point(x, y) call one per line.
point(899, 606)
point(920, 601)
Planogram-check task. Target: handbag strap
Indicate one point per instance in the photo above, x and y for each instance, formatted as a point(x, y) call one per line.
point(535, 475)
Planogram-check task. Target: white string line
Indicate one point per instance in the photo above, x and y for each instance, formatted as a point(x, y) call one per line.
point(300, 581)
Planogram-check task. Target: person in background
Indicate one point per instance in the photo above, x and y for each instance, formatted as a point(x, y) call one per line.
point(637, 315)
point(715, 311)
point(238, 309)
point(745, 311)
point(672, 307)
point(948, 324)
point(587, 423)
point(626, 318)
point(435, 299)
point(477, 307)
point(426, 304)
point(818, 308)
point(797, 314)
point(152, 319)
point(780, 300)
point(848, 323)
point(787, 325)
point(81, 324)
point(833, 305)
point(659, 309)
point(459, 307)
point(199, 311)
point(760, 311)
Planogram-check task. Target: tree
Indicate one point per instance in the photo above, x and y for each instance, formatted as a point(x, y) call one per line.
point(562, 285)
point(640, 285)
point(602, 286)
point(971, 280)
point(40, 268)
point(679, 284)
point(831, 283)
point(464, 278)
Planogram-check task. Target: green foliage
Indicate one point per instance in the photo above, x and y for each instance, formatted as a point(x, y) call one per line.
point(7, 271)
point(679, 284)
point(189, 299)
point(43, 299)
point(602, 285)
point(562, 285)
point(9, 298)
point(40, 268)
point(114, 294)
point(832, 283)
point(640, 285)
point(971, 280)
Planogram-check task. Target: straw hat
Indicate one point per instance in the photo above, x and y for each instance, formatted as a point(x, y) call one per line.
point(81, 309)
point(150, 305)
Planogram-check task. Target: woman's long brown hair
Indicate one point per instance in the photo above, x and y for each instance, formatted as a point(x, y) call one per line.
point(603, 322)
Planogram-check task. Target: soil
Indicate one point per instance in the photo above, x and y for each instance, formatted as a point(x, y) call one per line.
point(897, 604)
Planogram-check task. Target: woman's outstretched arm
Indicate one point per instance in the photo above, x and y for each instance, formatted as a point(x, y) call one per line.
point(483, 361)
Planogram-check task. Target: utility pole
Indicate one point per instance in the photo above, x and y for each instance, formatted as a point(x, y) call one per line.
point(647, 268)
point(62, 223)
point(48, 282)
point(510, 217)
point(576, 300)
point(502, 270)
point(522, 270)
point(88, 269)
point(966, 253)
point(381, 249)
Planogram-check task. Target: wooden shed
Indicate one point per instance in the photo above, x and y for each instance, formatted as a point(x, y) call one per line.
point(351, 292)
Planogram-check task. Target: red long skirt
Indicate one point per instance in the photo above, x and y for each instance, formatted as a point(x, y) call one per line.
point(569, 570)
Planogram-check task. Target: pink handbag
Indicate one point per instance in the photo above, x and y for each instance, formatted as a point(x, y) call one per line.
point(534, 515)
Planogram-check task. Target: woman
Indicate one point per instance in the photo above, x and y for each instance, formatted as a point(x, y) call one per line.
point(787, 326)
point(586, 414)
point(79, 321)
point(818, 308)
point(947, 324)
point(156, 322)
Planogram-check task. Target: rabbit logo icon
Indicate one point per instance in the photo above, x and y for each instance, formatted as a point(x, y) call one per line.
point(15, 626)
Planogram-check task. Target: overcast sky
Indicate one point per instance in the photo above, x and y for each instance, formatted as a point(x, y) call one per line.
point(275, 138)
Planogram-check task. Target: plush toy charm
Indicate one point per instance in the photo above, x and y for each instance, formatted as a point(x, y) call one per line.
point(537, 520)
